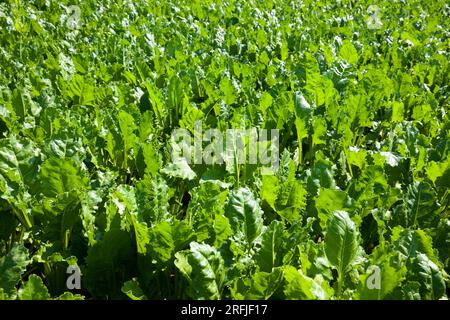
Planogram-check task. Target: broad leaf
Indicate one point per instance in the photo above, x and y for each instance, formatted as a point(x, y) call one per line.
point(34, 289)
point(12, 266)
point(203, 266)
point(245, 216)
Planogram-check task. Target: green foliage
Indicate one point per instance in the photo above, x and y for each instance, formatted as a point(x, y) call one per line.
point(34, 289)
point(341, 244)
point(358, 207)
point(12, 266)
point(203, 267)
point(245, 216)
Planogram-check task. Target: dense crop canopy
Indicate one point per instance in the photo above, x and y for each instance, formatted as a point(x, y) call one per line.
point(357, 206)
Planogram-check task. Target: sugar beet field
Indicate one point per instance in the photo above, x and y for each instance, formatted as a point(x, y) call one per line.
point(224, 149)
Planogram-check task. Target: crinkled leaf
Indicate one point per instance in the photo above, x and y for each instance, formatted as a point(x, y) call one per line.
point(245, 216)
point(12, 266)
point(203, 266)
point(34, 289)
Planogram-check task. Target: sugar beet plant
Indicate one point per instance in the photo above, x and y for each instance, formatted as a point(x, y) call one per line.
point(357, 208)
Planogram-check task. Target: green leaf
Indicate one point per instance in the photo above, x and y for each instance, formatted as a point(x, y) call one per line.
point(133, 290)
point(89, 204)
point(156, 101)
point(291, 200)
point(442, 243)
point(341, 243)
point(320, 131)
point(34, 289)
point(23, 105)
point(390, 278)
point(81, 92)
point(300, 287)
point(321, 176)
point(245, 216)
point(127, 127)
point(419, 206)
point(348, 52)
point(70, 296)
point(329, 201)
point(190, 117)
point(152, 196)
point(222, 230)
point(167, 238)
point(142, 236)
point(430, 277)
point(410, 243)
point(179, 169)
point(270, 255)
point(203, 266)
point(58, 176)
point(315, 85)
point(356, 157)
point(265, 101)
point(228, 90)
point(175, 96)
point(19, 160)
point(12, 266)
point(313, 260)
point(439, 173)
point(269, 189)
point(264, 284)
point(64, 146)
point(161, 244)
point(19, 104)
point(152, 160)
point(398, 110)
